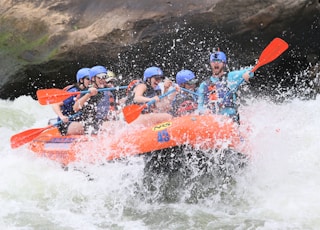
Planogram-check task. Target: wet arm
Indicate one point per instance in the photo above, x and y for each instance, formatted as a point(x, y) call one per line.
point(57, 109)
point(236, 78)
point(138, 94)
point(80, 103)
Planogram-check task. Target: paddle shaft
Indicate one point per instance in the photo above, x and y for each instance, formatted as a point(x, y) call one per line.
point(189, 91)
point(52, 96)
point(24, 137)
point(160, 97)
point(104, 89)
point(70, 117)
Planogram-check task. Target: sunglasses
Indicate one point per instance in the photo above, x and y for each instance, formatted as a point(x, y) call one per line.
point(217, 60)
point(102, 77)
point(86, 78)
point(158, 78)
point(192, 82)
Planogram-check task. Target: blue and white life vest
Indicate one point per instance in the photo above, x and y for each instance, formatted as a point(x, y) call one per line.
point(67, 106)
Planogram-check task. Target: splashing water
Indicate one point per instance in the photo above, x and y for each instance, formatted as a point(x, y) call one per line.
point(277, 190)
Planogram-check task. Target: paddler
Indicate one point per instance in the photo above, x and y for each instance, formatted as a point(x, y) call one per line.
point(217, 94)
point(142, 92)
point(185, 102)
point(94, 106)
point(64, 109)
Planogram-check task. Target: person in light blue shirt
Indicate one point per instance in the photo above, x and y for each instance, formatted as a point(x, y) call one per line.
point(217, 94)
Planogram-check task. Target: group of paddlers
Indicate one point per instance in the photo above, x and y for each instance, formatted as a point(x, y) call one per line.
point(165, 98)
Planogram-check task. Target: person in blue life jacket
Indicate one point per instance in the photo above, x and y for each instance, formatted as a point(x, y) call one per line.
point(185, 102)
point(65, 109)
point(218, 93)
point(143, 91)
point(95, 105)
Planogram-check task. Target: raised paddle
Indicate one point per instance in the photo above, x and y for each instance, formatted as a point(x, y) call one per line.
point(189, 91)
point(51, 96)
point(24, 137)
point(275, 48)
point(132, 112)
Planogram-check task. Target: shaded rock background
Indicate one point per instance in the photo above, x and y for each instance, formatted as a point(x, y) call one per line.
point(44, 42)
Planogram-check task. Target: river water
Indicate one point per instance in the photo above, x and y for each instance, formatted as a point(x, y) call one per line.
point(279, 188)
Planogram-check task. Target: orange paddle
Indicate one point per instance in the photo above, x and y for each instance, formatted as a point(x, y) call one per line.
point(51, 96)
point(275, 48)
point(24, 137)
point(132, 112)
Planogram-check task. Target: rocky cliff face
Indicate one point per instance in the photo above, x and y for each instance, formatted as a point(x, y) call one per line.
point(43, 43)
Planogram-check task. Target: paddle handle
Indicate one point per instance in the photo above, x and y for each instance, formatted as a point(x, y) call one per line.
point(70, 117)
point(105, 89)
point(189, 91)
point(160, 97)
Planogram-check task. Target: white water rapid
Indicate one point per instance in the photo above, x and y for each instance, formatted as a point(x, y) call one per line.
point(279, 189)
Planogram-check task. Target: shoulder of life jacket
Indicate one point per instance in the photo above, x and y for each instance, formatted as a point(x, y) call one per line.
point(132, 84)
point(68, 87)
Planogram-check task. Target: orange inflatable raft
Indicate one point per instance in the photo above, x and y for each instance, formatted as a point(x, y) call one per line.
point(202, 132)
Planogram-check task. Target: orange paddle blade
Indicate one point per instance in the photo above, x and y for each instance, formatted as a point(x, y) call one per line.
point(275, 48)
point(24, 137)
point(51, 96)
point(132, 112)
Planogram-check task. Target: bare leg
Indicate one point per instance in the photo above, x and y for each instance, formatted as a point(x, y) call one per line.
point(151, 119)
point(75, 128)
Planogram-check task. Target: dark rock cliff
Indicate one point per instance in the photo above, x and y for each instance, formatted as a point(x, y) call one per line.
point(43, 43)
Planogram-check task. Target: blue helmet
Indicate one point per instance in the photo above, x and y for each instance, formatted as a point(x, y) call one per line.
point(152, 71)
point(218, 56)
point(184, 76)
point(95, 70)
point(83, 72)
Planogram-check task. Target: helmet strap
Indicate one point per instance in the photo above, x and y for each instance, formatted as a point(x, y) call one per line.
point(148, 82)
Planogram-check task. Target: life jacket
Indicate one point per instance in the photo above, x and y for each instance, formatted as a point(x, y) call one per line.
point(68, 87)
point(103, 105)
point(150, 92)
point(132, 84)
point(183, 104)
point(112, 102)
point(95, 111)
point(112, 113)
point(67, 106)
point(219, 95)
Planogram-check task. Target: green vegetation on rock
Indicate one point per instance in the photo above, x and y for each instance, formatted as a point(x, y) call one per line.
point(27, 41)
